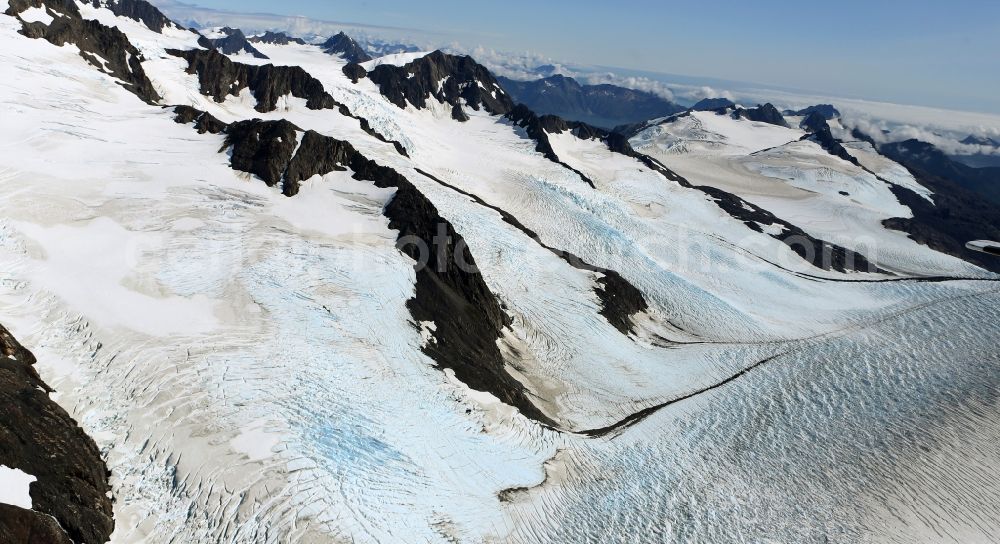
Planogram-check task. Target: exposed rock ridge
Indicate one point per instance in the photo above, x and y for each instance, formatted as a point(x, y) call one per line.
point(203, 122)
point(449, 79)
point(39, 438)
point(107, 48)
point(139, 10)
point(220, 78)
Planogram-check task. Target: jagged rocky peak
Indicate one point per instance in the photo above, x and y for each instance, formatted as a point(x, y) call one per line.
point(814, 122)
point(275, 38)
point(345, 47)
point(221, 77)
point(107, 48)
point(766, 113)
point(827, 111)
point(140, 10)
point(450, 79)
point(713, 104)
point(232, 42)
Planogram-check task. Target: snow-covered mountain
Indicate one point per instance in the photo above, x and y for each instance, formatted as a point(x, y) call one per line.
point(295, 297)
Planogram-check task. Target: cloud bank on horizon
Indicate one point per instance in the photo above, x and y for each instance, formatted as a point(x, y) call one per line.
point(884, 121)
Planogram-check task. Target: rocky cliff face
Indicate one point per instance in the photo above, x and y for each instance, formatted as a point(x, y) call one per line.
point(39, 438)
point(107, 48)
point(447, 78)
point(220, 77)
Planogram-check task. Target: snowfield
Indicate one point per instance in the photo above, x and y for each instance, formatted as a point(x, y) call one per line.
point(249, 367)
point(14, 487)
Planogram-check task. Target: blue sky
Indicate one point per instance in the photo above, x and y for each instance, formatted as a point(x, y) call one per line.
point(934, 53)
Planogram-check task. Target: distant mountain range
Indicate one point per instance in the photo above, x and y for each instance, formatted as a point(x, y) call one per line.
point(922, 156)
point(603, 105)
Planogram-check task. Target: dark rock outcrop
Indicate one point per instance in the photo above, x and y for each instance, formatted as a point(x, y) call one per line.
point(39, 438)
point(598, 105)
point(275, 38)
point(139, 10)
point(262, 148)
point(346, 48)
point(203, 122)
point(447, 78)
point(827, 111)
point(220, 77)
point(713, 104)
point(107, 48)
point(763, 114)
point(355, 72)
point(234, 43)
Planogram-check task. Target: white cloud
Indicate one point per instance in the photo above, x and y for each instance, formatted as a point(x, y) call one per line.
point(948, 141)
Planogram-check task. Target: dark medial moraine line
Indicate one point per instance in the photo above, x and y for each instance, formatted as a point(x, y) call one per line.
point(620, 300)
point(71, 497)
point(819, 253)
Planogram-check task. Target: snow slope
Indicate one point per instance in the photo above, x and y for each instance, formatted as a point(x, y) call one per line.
point(249, 365)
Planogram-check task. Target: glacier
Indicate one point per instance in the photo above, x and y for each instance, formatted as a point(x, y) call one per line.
point(251, 372)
